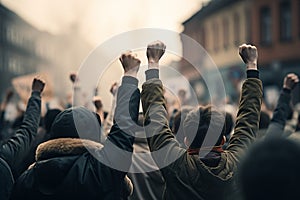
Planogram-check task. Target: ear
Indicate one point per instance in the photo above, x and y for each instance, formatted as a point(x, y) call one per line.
point(186, 142)
point(223, 140)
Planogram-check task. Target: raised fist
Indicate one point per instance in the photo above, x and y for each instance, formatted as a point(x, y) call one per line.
point(98, 102)
point(290, 81)
point(38, 85)
point(130, 62)
point(73, 77)
point(9, 94)
point(114, 88)
point(155, 51)
point(249, 55)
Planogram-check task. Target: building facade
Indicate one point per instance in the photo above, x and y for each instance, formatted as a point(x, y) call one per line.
point(24, 50)
point(18, 53)
point(272, 25)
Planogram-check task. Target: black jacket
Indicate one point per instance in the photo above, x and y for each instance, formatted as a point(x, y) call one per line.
point(280, 115)
point(14, 150)
point(81, 169)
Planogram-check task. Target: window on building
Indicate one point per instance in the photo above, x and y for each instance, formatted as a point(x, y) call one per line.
point(225, 33)
point(237, 29)
point(265, 26)
point(215, 29)
point(285, 21)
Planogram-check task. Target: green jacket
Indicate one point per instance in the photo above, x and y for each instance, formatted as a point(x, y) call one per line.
point(186, 176)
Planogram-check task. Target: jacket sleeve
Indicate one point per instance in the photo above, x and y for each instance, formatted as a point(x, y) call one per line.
point(276, 127)
point(109, 120)
point(116, 155)
point(247, 119)
point(118, 146)
point(163, 146)
point(17, 147)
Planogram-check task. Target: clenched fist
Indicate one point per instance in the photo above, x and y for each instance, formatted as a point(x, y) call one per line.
point(155, 51)
point(114, 88)
point(249, 55)
point(130, 63)
point(290, 81)
point(73, 77)
point(98, 102)
point(38, 85)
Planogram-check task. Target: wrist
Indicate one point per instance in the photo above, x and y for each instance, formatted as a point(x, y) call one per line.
point(251, 66)
point(153, 65)
point(131, 73)
point(286, 89)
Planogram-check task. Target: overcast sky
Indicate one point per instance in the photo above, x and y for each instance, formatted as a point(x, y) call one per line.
point(98, 20)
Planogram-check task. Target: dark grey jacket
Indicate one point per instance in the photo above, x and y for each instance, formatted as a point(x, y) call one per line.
point(280, 114)
point(14, 150)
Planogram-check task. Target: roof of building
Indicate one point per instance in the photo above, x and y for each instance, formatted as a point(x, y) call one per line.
point(210, 8)
point(4, 11)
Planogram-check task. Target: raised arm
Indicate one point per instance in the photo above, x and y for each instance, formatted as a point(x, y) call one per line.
point(249, 106)
point(8, 96)
point(127, 105)
point(17, 147)
point(158, 132)
point(276, 127)
point(109, 121)
point(118, 146)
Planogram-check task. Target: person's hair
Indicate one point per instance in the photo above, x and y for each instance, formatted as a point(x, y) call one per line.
point(264, 120)
point(228, 125)
point(181, 114)
point(178, 119)
point(201, 120)
point(270, 170)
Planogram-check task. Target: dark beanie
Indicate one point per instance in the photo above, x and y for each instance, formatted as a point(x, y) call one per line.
point(77, 122)
point(49, 118)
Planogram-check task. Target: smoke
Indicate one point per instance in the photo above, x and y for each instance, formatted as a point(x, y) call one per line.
point(76, 27)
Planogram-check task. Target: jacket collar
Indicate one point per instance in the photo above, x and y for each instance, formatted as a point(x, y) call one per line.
point(65, 147)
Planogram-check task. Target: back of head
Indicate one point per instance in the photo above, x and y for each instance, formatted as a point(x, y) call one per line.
point(271, 170)
point(49, 118)
point(228, 125)
point(77, 122)
point(179, 117)
point(178, 120)
point(202, 121)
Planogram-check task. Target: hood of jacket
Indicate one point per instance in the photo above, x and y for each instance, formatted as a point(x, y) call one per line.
point(64, 168)
point(65, 147)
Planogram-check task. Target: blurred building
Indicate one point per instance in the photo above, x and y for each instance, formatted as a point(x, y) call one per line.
point(18, 55)
point(221, 26)
point(24, 50)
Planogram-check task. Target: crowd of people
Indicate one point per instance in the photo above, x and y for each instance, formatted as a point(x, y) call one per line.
point(79, 153)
